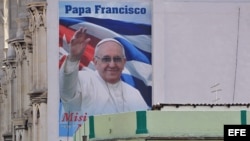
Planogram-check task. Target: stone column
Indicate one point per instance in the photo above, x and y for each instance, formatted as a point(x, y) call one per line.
point(39, 106)
point(19, 125)
point(16, 93)
point(28, 114)
point(22, 82)
point(22, 66)
point(22, 103)
point(37, 28)
point(10, 69)
point(38, 92)
point(35, 122)
point(3, 103)
point(43, 120)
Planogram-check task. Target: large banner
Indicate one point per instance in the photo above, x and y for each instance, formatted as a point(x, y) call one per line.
point(88, 92)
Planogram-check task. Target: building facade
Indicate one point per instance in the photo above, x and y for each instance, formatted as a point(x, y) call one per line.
point(23, 86)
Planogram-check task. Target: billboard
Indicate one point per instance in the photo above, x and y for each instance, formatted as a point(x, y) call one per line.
point(89, 84)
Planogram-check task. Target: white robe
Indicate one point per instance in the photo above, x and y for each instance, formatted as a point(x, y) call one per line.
point(87, 92)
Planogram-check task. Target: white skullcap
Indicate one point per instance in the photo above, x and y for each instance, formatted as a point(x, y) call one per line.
point(109, 39)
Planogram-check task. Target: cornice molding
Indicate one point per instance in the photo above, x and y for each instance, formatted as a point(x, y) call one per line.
point(37, 17)
point(38, 97)
point(19, 123)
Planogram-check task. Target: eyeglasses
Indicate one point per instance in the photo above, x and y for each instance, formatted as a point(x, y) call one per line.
point(107, 59)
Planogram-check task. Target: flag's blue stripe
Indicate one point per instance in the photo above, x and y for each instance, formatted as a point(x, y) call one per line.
point(147, 54)
point(68, 21)
point(128, 79)
point(121, 27)
point(133, 53)
point(146, 91)
point(67, 129)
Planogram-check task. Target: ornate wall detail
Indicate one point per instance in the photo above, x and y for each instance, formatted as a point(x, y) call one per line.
point(4, 82)
point(10, 70)
point(10, 63)
point(28, 115)
point(38, 97)
point(2, 79)
point(19, 123)
point(37, 17)
point(20, 48)
point(7, 136)
point(12, 74)
point(1, 16)
point(28, 40)
point(28, 45)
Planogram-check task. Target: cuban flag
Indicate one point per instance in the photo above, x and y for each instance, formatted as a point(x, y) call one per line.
point(135, 37)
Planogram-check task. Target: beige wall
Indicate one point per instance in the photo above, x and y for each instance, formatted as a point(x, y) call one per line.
point(197, 45)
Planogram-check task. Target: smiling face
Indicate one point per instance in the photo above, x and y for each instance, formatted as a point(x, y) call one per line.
point(109, 61)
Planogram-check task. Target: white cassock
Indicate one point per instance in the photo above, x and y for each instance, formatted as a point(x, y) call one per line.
point(87, 92)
